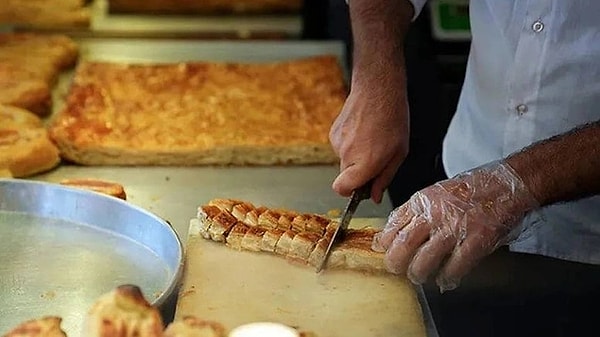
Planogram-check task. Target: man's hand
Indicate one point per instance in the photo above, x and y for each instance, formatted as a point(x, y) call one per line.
point(371, 136)
point(450, 226)
point(371, 133)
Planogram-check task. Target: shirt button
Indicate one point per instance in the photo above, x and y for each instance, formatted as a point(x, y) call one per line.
point(522, 109)
point(537, 26)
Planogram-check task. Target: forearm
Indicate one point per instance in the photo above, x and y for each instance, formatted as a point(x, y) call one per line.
point(562, 168)
point(378, 29)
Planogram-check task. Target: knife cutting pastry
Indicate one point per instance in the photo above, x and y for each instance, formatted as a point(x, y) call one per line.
point(302, 238)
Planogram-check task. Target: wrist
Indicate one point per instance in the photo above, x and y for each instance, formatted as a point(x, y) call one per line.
point(533, 179)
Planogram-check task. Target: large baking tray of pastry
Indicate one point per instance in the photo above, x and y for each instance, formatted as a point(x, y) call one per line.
point(201, 111)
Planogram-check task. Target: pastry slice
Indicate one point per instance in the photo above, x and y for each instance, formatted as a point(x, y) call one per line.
point(285, 221)
point(236, 235)
point(96, 185)
point(191, 326)
point(354, 252)
point(221, 224)
point(252, 239)
point(269, 219)
point(30, 94)
point(318, 254)
point(124, 312)
point(224, 204)
point(316, 224)
point(206, 214)
point(12, 117)
point(43, 327)
point(240, 210)
point(270, 239)
point(302, 245)
point(25, 152)
point(285, 242)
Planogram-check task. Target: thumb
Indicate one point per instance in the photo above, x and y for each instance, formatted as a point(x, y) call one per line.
point(351, 178)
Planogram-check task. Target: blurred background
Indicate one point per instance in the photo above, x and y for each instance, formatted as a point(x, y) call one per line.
point(436, 48)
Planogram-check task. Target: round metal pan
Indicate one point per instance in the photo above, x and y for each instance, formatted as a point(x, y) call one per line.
point(61, 248)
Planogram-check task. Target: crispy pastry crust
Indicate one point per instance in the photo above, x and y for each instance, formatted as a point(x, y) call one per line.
point(44, 327)
point(123, 312)
point(45, 13)
point(97, 185)
point(191, 326)
point(201, 113)
point(25, 148)
point(29, 67)
point(303, 237)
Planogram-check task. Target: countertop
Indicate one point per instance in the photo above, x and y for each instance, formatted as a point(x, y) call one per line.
point(174, 193)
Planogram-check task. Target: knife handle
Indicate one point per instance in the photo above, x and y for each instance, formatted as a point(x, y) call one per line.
point(364, 192)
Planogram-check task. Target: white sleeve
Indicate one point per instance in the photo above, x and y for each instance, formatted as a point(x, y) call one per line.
point(417, 5)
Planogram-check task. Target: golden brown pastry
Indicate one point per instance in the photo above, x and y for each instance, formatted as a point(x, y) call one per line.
point(201, 113)
point(194, 327)
point(44, 327)
point(301, 237)
point(124, 312)
point(97, 185)
point(25, 148)
point(45, 13)
point(29, 67)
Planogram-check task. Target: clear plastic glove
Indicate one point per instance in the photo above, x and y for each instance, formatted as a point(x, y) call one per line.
point(447, 228)
point(370, 136)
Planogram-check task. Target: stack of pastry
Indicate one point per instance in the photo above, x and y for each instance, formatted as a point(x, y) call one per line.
point(301, 238)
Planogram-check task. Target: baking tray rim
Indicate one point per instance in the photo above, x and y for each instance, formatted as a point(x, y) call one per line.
point(174, 281)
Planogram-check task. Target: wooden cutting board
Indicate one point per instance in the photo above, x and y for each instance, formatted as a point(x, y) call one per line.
point(235, 288)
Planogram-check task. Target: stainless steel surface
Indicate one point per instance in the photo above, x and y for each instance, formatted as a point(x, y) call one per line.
point(174, 193)
point(242, 26)
point(357, 196)
point(62, 248)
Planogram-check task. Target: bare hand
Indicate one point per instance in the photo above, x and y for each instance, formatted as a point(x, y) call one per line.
point(371, 134)
point(459, 221)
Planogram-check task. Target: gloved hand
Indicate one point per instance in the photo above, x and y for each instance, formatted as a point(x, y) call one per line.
point(456, 222)
point(370, 136)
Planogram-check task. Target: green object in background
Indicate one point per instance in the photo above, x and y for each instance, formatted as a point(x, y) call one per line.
point(450, 19)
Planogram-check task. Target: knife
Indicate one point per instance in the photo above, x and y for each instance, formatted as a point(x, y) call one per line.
point(358, 195)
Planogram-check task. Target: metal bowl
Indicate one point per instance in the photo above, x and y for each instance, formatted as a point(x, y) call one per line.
point(61, 248)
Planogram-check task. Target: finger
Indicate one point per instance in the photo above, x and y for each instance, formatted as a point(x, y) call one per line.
point(430, 256)
point(405, 245)
point(464, 257)
point(398, 218)
point(385, 177)
point(351, 177)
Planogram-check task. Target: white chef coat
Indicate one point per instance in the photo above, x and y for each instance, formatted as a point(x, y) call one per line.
point(533, 72)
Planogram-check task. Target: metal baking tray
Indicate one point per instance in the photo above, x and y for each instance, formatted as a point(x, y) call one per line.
point(63, 247)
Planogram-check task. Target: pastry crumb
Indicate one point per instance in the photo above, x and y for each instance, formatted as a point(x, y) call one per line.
point(334, 213)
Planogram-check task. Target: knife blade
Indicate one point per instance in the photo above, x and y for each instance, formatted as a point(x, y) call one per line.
point(358, 195)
